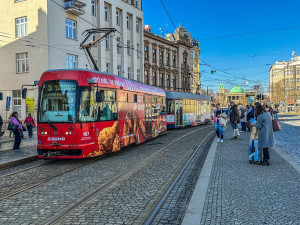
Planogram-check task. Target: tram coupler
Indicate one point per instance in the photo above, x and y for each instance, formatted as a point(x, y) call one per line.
point(49, 154)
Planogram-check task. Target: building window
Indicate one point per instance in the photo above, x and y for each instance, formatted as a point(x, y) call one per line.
point(146, 53)
point(298, 80)
point(119, 70)
point(71, 29)
point(138, 25)
point(184, 62)
point(72, 61)
point(21, 26)
point(174, 82)
point(138, 50)
point(168, 59)
point(298, 88)
point(129, 72)
point(16, 1)
point(17, 101)
point(22, 62)
point(128, 47)
point(128, 22)
point(168, 81)
point(118, 17)
point(107, 42)
point(106, 12)
point(107, 68)
point(161, 57)
point(154, 82)
point(138, 75)
point(146, 77)
point(192, 54)
point(174, 60)
point(94, 9)
point(162, 81)
point(118, 45)
point(154, 55)
point(136, 3)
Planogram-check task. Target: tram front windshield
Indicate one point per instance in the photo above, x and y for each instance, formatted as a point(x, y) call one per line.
point(58, 101)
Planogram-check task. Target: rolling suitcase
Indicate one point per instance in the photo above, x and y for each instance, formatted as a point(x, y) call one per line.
point(253, 151)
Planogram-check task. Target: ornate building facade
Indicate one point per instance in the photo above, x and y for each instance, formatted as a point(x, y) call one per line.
point(167, 62)
point(285, 84)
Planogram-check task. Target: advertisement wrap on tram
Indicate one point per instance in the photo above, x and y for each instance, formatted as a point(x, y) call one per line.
point(85, 114)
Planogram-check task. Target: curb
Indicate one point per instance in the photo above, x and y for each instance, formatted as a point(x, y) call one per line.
point(18, 162)
point(287, 157)
point(193, 213)
point(6, 141)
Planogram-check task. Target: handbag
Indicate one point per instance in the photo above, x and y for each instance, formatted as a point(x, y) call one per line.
point(12, 126)
point(276, 125)
point(236, 132)
point(28, 124)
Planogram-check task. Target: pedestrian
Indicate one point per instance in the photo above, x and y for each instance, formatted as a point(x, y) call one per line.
point(18, 131)
point(234, 119)
point(218, 127)
point(243, 118)
point(265, 132)
point(1, 124)
point(29, 122)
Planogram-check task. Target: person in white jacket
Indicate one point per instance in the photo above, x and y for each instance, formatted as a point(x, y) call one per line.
point(243, 118)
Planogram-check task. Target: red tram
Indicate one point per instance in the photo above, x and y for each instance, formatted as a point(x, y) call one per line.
point(84, 113)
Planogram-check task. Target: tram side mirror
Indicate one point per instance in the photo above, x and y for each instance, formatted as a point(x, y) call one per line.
point(70, 118)
point(99, 96)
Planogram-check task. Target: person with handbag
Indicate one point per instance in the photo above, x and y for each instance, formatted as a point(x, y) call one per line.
point(218, 126)
point(265, 132)
point(16, 127)
point(29, 122)
point(234, 119)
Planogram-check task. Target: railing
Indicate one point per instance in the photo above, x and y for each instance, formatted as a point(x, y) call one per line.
point(75, 6)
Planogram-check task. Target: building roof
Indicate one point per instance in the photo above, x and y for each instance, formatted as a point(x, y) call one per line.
point(236, 89)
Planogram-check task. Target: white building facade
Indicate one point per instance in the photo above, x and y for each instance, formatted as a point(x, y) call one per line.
point(38, 35)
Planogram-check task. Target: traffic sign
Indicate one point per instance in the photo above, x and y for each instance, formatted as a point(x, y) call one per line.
point(8, 100)
point(251, 99)
point(281, 103)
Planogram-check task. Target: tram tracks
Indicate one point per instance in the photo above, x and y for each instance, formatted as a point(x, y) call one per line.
point(11, 190)
point(122, 176)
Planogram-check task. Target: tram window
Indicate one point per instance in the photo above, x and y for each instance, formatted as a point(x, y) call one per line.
point(135, 98)
point(171, 107)
point(108, 109)
point(88, 106)
point(140, 99)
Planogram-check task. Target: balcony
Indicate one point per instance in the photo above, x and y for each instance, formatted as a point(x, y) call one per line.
point(75, 7)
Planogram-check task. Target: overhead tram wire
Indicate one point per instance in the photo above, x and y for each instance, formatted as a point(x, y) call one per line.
point(249, 33)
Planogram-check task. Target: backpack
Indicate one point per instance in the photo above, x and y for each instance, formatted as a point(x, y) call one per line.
point(248, 116)
point(242, 115)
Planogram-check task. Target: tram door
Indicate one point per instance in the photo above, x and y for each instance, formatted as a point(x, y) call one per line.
point(148, 116)
point(178, 113)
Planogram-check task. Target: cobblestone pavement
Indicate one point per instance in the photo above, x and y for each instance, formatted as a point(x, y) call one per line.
point(173, 209)
point(289, 137)
point(35, 206)
point(243, 193)
point(132, 199)
point(28, 148)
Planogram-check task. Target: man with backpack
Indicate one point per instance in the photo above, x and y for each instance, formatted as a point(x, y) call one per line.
point(234, 119)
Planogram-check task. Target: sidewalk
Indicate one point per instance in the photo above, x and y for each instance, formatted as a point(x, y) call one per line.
point(237, 192)
point(8, 156)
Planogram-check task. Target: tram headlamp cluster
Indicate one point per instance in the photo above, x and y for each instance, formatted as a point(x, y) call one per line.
point(44, 132)
point(68, 132)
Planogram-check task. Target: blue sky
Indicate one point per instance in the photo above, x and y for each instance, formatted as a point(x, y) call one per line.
point(242, 56)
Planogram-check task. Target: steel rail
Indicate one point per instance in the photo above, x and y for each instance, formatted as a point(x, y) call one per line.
point(23, 170)
point(116, 179)
point(148, 220)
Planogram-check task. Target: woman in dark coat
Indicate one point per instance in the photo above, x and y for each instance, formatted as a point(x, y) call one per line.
point(18, 132)
point(265, 132)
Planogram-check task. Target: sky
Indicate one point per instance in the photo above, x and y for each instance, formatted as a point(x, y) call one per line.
point(238, 59)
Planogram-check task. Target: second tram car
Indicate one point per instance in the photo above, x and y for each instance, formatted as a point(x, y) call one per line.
point(186, 109)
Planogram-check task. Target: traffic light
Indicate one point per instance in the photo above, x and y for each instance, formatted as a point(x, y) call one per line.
point(24, 93)
point(257, 97)
point(262, 97)
point(213, 71)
